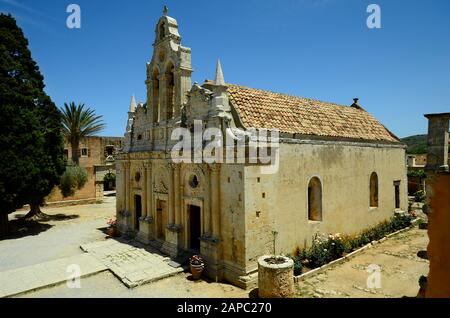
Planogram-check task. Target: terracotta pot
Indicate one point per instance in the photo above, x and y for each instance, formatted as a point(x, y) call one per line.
point(112, 231)
point(197, 270)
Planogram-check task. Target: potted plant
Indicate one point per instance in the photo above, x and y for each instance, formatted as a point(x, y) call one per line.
point(197, 266)
point(112, 229)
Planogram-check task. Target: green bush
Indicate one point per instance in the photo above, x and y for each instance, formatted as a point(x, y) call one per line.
point(417, 173)
point(400, 221)
point(74, 178)
point(420, 196)
point(318, 256)
point(109, 177)
point(298, 266)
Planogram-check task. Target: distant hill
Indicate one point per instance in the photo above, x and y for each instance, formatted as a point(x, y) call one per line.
point(416, 144)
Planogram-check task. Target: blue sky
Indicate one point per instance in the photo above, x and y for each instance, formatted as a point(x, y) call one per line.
point(320, 49)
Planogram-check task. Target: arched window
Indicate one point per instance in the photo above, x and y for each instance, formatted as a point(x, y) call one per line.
point(170, 91)
point(315, 200)
point(373, 190)
point(155, 81)
point(162, 31)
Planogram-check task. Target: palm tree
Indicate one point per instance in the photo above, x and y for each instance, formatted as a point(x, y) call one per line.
point(78, 123)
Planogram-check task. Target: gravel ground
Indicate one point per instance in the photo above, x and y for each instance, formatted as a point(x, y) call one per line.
point(105, 284)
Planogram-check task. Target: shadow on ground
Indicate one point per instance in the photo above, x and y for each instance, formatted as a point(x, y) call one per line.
point(51, 217)
point(253, 293)
point(23, 228)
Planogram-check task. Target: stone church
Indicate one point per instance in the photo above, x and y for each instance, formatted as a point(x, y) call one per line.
point(339, 170)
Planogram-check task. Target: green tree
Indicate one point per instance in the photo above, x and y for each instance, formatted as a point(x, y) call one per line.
point(78, 123)
point(31, 151)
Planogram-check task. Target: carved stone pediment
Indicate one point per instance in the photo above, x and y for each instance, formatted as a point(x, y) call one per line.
point(199, 94)
point(161, 187)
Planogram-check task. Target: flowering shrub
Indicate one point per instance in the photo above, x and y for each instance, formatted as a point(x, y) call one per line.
point(196, 260)
point(112, 222)
point(326, 248)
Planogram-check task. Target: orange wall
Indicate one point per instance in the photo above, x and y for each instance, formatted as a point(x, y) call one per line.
point(87, 192)
point(439, 235)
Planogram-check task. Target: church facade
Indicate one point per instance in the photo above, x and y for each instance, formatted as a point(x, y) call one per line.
point(336, 169)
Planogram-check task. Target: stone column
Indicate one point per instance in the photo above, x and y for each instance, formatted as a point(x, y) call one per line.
point(207, 208)
point(215, 200)
point(124, 186)
point(171, 195)
point(127, 194)
point(162, 97)
point(144, 192)
point(177, 194)
point(127, 187)
point(438, 125)
point(149, 193)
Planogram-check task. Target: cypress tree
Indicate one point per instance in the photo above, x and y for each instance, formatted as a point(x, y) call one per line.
point(31, 141)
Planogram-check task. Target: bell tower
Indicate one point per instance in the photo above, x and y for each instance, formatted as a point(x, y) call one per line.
point(168, 73)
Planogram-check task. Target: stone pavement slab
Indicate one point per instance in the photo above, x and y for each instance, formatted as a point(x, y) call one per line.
point(133, 265)
point(28, 278)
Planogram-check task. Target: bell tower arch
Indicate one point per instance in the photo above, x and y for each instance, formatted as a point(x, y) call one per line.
point(168, 73)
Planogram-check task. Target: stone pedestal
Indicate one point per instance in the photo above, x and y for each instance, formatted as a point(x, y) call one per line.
point(170, 246)
point(275, 280)
point(123, 219)
point(146, 230)
point(210, 251)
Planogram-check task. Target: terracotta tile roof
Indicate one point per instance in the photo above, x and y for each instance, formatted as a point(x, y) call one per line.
point(263, 109)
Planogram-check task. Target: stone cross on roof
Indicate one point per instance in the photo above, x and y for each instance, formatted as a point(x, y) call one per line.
point(166, 10)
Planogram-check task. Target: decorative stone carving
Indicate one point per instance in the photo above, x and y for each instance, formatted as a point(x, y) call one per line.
point(209, 238)
point(148, 219)
point(174, 228)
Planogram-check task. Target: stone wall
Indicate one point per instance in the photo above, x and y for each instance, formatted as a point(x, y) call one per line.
point(96, 156)
point(279, 201)
point(89, 191)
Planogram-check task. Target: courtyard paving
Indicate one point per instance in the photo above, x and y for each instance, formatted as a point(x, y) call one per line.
point(29, 278)
point(133, 265)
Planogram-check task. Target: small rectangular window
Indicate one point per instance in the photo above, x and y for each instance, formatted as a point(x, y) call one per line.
point(397, 194)
point(84, 152)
